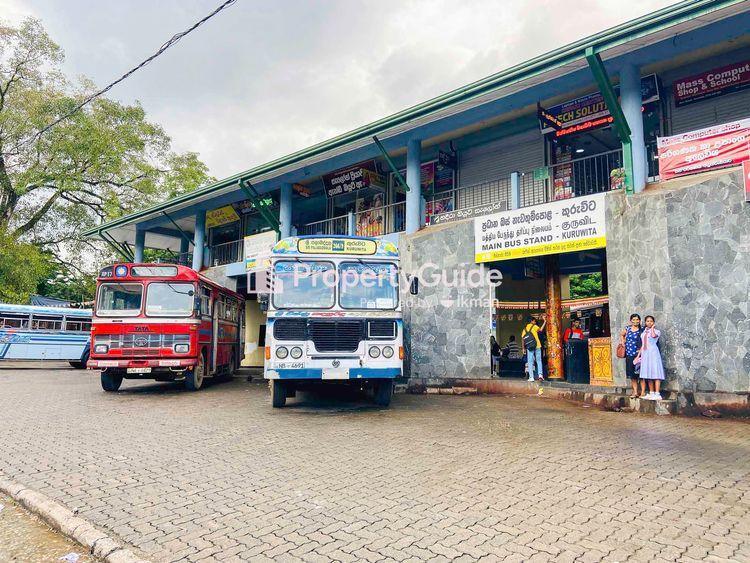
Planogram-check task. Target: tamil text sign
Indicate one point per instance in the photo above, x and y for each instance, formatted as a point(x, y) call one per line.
point(723, 80)
point(705, 149)
point(552, 228)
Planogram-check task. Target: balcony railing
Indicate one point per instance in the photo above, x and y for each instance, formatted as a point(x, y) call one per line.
point(334, 226)
point(227, 253)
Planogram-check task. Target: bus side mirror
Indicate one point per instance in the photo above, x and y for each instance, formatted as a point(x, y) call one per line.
point(263, 302)
point(414, 285)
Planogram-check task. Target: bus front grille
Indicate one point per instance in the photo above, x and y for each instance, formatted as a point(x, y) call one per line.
point(336, 336)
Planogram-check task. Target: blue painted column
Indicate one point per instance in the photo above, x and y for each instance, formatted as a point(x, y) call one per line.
point(184, 249)
point(631, 102)
point(285, 210)
point(414, 180)
point(515, 190)
point(140, 244)
point(351, 225)
point(199, 239)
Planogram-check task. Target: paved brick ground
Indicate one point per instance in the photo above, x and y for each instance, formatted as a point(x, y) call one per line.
point(219, 475)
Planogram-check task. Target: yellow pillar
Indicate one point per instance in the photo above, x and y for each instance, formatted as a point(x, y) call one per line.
point(554, 318)
point(254, 353)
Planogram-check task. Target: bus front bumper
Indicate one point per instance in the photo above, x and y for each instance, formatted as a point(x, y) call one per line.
point(332, 374)
point(153, 363)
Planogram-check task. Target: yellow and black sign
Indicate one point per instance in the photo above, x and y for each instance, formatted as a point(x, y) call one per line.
point(337, 246)
point(222, 216)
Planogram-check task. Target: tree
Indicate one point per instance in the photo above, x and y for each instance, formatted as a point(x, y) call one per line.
point(22, 265)
point(585, 285)
point(104, 161)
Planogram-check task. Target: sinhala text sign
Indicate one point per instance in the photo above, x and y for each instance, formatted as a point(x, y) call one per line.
point(552, 228)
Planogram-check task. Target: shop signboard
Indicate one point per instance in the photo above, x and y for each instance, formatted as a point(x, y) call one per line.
point(349, 179)
point(551, 228)
point(336, 246)
point(447, 160)
point(427, 178)
point(706, 149)
point(590, 111)
point(258, 249)
point(717, 82)
point(246, 206)
point(222, 216)
point(448, 216)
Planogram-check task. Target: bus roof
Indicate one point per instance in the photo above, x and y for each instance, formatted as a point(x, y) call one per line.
point(161, 272)
point(36, 309)
point(339, 245)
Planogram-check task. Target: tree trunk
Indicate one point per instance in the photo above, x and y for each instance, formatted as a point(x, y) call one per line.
point(8, 196)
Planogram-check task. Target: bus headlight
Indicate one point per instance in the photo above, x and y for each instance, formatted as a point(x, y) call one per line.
point(282, 352)
point(181, 348)
point(296, 352)
point(374, 352)
point(387, 352)
point(101, 349)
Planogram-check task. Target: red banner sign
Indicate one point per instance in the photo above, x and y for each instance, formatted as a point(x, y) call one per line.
point(729, 78)
point(706, 149)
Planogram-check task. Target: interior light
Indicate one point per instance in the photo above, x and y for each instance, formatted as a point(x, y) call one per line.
point(579, 151)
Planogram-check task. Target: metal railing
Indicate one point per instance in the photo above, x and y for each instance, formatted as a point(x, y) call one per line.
point(381, 221)
point(333, 226)
point(466, 197)
point(227, 253)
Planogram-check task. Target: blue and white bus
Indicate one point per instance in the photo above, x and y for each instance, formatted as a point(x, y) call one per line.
point(29, 332)
point(334, 315)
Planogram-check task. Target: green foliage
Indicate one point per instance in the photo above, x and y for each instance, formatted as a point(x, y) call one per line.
point(585, 285)
point(22, 265)
point(104, 161)
point(62, 283)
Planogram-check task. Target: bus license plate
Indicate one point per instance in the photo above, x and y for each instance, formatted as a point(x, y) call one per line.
point(335, 373)
point(139, 370)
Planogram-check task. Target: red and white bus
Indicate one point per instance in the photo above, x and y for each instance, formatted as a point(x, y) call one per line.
point(163, 322)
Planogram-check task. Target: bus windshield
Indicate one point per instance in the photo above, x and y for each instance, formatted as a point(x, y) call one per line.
point(304, 285)
point(119, 299)
point(169, 299)
point(368, 285)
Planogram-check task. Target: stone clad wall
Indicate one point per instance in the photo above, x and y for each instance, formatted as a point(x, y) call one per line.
point(690, 267)
point(447, 328)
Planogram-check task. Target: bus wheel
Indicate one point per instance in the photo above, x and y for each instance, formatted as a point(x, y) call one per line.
point(384, 392)
point(278, 393)
point(81, 364)
point(111, 382)
point(194, 377)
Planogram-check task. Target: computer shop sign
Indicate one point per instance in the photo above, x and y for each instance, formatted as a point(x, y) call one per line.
point(706, 149)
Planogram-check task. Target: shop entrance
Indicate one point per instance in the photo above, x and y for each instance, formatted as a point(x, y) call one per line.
point(254, 337)
point(559, 289)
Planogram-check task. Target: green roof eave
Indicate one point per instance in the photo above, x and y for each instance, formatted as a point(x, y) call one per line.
point(607, 39)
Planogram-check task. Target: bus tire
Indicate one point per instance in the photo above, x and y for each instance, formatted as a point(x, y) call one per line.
point(194, 377)
point(81, 364)
point(278, 393)
point(111, 382)
point(384, 392)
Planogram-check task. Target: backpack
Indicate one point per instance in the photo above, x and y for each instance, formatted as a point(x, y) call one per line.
point(529, 341)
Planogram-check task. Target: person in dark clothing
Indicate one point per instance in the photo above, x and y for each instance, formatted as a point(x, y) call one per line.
point(494, 356)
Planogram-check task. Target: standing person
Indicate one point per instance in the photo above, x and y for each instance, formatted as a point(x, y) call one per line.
point(649, 357)
point(574, 331)
point(630, 338)
point(532, 347)
point(511, 349)
point(494, 356)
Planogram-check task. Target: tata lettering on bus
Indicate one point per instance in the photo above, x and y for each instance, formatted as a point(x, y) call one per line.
point(334, 315)
point(163, 322)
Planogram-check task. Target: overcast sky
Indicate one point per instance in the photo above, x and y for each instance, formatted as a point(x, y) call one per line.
point(265, 78)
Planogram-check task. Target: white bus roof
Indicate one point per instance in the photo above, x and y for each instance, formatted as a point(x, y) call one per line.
point(34, 309)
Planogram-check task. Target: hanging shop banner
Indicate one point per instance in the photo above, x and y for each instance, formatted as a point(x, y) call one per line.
point(552, 228)
point(716, 82)
point(427, 177)
point(222, 216)
point(705, 149)
point(246, 206)
point(447, 160)
point(350, 179)
point(590, 111)
point(370, 216)
point(258, 250)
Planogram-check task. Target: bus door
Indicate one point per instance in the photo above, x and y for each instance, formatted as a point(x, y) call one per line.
point(217, 312)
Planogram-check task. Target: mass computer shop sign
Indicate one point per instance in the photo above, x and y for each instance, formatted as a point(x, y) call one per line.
point(552, 228)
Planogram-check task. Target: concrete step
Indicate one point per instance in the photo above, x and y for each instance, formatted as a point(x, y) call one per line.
point(660, 407)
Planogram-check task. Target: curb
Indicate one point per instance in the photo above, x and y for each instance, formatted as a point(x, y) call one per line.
point(98, 543)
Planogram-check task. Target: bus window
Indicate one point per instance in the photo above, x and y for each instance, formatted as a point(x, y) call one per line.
point(205, 301)
point(46, 322)
point(78, 325)
point(169, 299)
point(119, 299)
point(10, 320)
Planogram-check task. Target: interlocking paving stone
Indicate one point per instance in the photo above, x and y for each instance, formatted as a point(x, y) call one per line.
point(219, 475)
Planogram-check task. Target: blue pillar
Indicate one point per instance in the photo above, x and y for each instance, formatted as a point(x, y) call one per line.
point(285, 210)
point(515, 190)
point(184, 245)
point(631, 102)
point(140, 244)
point(414, 180)
point(198, 239)
point(351, 226)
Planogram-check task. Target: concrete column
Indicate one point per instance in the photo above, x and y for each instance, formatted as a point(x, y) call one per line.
point(285, 210)
point(554, 317)
point(198, 239)
point(140, 244)
point(631, 102)
point(184, 248)
point(351, 226)
point(515, 190)
point(414, 180)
